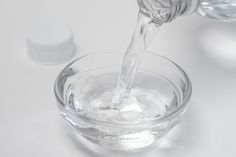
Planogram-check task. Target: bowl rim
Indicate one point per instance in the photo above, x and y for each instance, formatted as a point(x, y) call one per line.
point(153, 121)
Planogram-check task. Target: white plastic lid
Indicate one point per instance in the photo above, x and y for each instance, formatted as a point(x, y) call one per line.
point(50, 42)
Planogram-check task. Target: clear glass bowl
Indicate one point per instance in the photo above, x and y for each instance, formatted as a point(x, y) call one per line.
point(160, 93)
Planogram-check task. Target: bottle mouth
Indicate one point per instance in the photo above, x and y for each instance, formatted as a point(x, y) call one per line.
point(164, 11)
point(193, 7)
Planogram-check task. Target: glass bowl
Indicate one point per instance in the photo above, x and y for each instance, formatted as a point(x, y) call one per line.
point(160, 93)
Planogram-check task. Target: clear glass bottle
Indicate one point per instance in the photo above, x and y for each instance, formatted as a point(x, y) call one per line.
point(163, 11)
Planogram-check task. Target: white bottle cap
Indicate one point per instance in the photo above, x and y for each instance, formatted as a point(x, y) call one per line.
point(50, 42)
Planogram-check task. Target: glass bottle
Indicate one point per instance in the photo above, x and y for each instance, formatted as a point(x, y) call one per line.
point(163, 11)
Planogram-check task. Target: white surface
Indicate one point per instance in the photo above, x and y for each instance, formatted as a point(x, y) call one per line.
point(49, 41)
point(29, 118)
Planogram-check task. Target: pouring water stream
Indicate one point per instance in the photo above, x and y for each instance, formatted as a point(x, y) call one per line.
point(142, 37)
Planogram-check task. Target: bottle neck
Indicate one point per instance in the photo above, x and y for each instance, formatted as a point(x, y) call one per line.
point(164, 11)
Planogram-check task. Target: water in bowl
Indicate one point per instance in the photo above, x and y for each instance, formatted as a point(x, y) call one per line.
point(152, 96)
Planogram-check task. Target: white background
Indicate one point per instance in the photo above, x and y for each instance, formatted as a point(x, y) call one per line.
point(30, 124)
